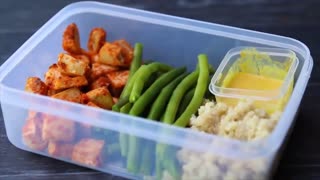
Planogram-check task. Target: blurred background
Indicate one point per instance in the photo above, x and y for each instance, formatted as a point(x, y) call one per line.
point(292, 18)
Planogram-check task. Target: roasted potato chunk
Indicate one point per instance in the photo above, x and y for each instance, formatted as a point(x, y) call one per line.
point(58, 129)
point(100, 82)
point(31, 133)
point(35, 85)
point(55, 80)
point(99, 70)
point(96, 40)
point(71, 66)
point(72, 95)
point(126, 51)
point(71, 39)
point(88, 151)
point(101, 97)
point(58, 149)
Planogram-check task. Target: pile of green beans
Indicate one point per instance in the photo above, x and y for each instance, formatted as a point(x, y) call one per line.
point(159, 92)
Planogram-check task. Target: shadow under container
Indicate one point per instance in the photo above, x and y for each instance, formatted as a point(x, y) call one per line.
point(167, 39)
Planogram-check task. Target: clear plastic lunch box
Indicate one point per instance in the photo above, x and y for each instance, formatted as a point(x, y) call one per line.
point(168, 39)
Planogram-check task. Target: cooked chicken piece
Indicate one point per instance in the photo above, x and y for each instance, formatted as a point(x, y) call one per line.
point(99, 70)
point(35, 85)
point(118, 80)
point(55, 80)
point(126, 51)
point(71, 39)
point(58, 129)
point(100, 82)
point(96, 40)
point(31, 133)
point(61, 150)
point(88, 151)
point(72, 95)
point(101, 97)
point(71, 66)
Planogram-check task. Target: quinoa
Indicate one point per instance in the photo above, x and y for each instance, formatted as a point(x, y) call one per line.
point(243, 121)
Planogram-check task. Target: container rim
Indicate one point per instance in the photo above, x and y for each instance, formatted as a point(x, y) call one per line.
point(268, 145)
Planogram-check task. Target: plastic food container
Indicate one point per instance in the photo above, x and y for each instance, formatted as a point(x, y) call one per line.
point(266, 77)
point(167, 39)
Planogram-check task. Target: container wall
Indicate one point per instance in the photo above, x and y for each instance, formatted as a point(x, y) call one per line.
point(124, 154)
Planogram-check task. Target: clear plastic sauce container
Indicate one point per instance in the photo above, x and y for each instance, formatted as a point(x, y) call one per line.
point(264, 75)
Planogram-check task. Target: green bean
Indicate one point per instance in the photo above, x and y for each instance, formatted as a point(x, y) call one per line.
point(160, 103)
point(199, 93)
point(138, 107)
point(133, 154)
point(122, 101)
point(144, 76)
point(123, 138)
point(135, 64)
point(149, 95)
point(147, 158)
point(185, 102)
point(172, 107)
point(126, 92)
point(159, 168)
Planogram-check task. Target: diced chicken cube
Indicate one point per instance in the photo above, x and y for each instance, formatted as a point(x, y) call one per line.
point(100, 82)
point(31, 134)
point(58, 129)
point(52, 92)
point(115, 100)
point(62, 150)
point(88, 152)
point(101, 97)
point(110, 54)
point(126, 51)
point(72, 95)
point(99, 70)
point(55, 80)
point(35, 85)
point(118, 80)
point(83, 58)
point(92, 104)
point(71, 39)
point(71, 66)
point(96, 39)
point(94, 58)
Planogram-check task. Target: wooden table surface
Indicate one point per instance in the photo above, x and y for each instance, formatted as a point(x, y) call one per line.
point(295, 18)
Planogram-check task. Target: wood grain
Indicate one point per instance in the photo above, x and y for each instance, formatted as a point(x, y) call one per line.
point(296, 19)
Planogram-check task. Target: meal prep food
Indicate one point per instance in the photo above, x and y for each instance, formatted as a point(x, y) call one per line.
point(114, 76)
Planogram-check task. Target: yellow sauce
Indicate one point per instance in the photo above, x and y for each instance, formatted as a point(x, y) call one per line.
point(256, 71)
point(250, 81)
